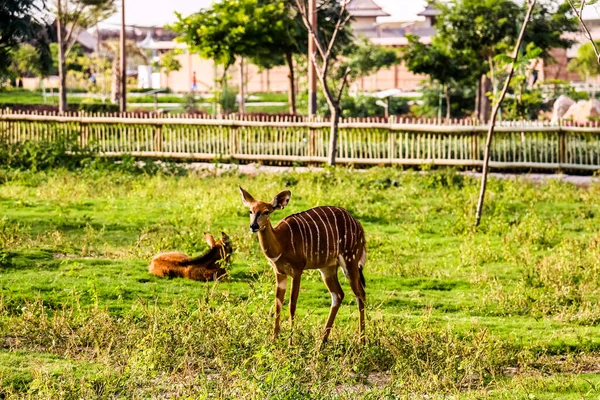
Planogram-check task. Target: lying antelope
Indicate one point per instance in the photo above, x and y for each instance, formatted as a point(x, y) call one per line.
point(203, 268)
point(321, 238)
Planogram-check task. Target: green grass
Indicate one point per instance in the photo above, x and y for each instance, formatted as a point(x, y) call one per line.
point(268, 96)
point(508, 311)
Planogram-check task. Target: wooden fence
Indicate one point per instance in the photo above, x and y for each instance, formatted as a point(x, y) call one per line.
point(296, 140)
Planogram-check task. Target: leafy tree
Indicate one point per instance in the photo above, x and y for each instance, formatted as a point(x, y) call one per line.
point(72, 17)
point(168, 63)
point(293, 40)
point(19, 25)
point(267, 32)
point(72, 60)
point(483, 29)
point(323, 61)
point(443, 65)
point(27, 62)
point(95, 63)
point(462, 101)
point(365, 58)
point(112, 47)
point(586, 63)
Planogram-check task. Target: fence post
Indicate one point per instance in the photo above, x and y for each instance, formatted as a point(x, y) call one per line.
point(562, 147)
point(158, 139)
point(234, 140)
point(391, 139)
point(474, 140)
point(311, 138)
point(83, 138)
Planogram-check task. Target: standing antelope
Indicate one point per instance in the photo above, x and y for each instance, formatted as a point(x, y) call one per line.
point(321, 238)
point(202, 268)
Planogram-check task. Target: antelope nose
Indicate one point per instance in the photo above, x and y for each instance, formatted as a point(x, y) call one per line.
point(254, 227)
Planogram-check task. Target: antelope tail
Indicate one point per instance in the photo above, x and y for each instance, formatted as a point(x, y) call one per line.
point(361, 264)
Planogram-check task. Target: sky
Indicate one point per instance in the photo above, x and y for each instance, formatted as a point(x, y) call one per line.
point(160, 12)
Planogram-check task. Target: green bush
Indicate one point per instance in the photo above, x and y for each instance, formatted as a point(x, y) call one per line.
point(63, 152)
point(146, 90)
point(98, 107)
point(227, 99)
point(462, 102)
point(190, 103)
point(528, 106)
point(365, 106)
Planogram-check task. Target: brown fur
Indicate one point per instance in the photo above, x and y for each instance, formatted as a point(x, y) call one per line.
point(206, 267)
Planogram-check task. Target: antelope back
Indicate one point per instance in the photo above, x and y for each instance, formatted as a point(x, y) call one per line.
point(322, 234)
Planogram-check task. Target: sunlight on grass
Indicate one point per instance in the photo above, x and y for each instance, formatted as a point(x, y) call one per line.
point(509, 311)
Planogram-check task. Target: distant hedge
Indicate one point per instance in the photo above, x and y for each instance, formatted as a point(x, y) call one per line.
point(91, 108)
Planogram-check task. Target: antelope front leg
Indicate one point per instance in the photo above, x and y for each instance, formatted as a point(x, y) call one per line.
point(293, 301)
point(279, 295)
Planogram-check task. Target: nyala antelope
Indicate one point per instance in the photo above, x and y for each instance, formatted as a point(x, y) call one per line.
point(206, 267)
point(321, 238)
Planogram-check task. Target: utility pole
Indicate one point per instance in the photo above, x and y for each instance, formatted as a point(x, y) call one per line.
point(123, 99)
point(312, 50)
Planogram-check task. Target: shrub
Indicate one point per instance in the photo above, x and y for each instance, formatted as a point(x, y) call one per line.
point(64, 151)
point(365, 106)
point(98, 107)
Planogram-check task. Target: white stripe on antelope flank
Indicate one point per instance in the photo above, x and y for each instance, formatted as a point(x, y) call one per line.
point(314, 224)
point(308, 254)
point(303, 234)
point(345, 231)
point(326, 231)
point(337, 231)
point(291, 235)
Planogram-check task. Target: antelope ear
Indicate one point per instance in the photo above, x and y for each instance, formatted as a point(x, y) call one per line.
point(225, 238)
point(247, 198)
point(281, 200)
point(209, 239)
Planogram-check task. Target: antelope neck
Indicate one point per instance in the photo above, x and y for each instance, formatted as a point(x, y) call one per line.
point(269, 243)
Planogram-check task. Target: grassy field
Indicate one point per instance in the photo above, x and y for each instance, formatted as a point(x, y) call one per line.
point(508, 311)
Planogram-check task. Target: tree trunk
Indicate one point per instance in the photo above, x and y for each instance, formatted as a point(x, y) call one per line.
point(485, 105)
point(292, 85)
point(477, 99)
point(448, 110)
point(488, 143)
point(62, 67)
point(242, 109)
point(335, 120)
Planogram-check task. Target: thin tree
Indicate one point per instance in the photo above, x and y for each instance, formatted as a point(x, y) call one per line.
point(72, 17)
point(168, 63)
point(579, 13)
point(488, 143)
point(323, 60)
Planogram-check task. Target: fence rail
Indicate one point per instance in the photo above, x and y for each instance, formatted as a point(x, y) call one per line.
point(395, 141)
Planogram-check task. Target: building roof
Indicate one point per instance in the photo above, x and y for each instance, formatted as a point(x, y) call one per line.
point(429, 11)
point(87, 40)
point(365, 8)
